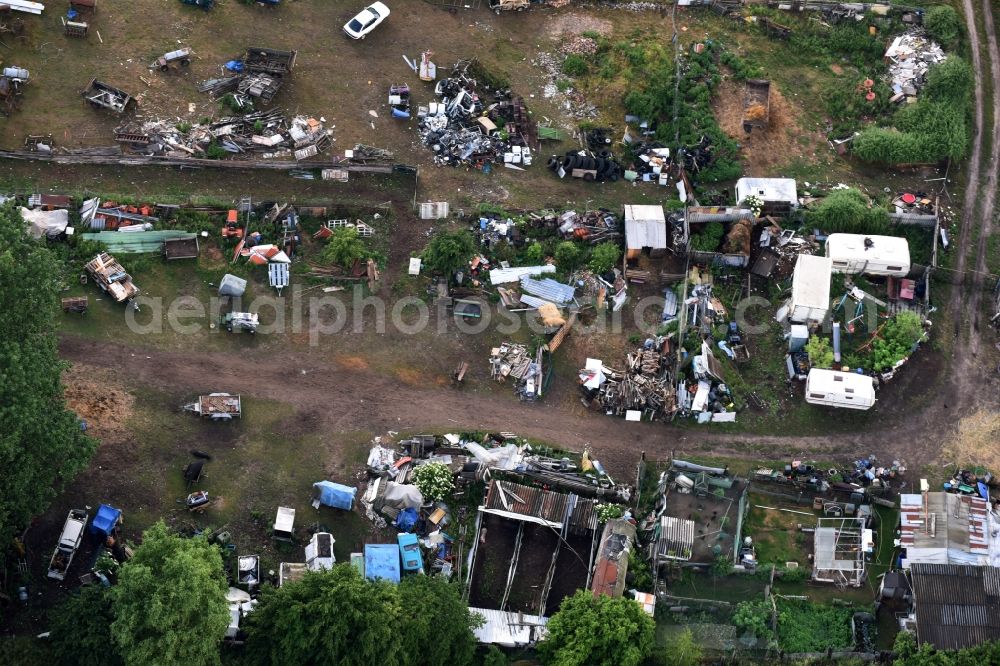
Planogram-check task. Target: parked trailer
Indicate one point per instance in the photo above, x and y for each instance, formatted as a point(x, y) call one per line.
point(181, 56)
point(840, 389)
point(871, 255)
point(756, 104)
point(269, 61)
point(69, 542)
point(217, 406)
point(112, 277)
point(102, 95)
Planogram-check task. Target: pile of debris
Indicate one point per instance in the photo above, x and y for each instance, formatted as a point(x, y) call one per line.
point(266, 134)
point(592, 226)
point(258, 75)
point(706, 397)
point(512, 360)
point(910, 56)
point(643, 388)
point(587, 165)
point(466, 128)
point(11, 81)
point(654, 163)
point(778, 249)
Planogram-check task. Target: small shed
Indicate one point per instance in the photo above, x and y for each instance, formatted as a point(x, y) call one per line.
point(382, 562)
point(645, 226)
point(778, 194)
point(810, 301)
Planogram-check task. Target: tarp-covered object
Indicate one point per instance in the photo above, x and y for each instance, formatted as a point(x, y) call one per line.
point(49, 223)
point(403, 496)
point(382, 561)
point(407, 518)
point(232, 285)
point(336, 495)
point(105, 520)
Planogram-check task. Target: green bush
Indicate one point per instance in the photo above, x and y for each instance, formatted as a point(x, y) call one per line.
point(214, 151)
point(575, 65)
point(709, 238)
point(604, 257)
point(534, 253)
point(820, 353)
point(943, 24)
point(567, 256)
point(896, 339)
point(848, 211)
point(434, 480)
point(805, 627)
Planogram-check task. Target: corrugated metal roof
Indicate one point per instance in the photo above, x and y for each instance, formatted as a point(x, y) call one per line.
point(949, 522)
point(611, 567)
point(547, 505)
point(509, 629)
point(549, 289)
point(645, 226)
point(956, 605)
point(508, 275)
point(676, 539)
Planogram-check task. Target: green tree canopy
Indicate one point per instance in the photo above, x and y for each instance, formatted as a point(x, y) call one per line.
point(680, 649)
point(337, 617)
point(567, 255)
point(849, 211)
point(170, 602)
point(943, 24)
point(80, 629)
point(344, 248)
point(448, 252)
point(41, 444)
point(908, 654)
point(604, 257)
point(592, 631)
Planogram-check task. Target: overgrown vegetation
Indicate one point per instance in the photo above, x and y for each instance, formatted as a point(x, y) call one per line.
point(709, 238)
point(344, 248)
point(896, 340)
point(802, 627)
point(943, 24)
point(849, 211)
point(448, 252)
point(598, 631)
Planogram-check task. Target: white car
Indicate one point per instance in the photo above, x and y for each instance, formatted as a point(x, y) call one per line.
point(366, 20)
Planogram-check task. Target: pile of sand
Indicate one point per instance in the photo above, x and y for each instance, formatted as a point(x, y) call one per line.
point(99, 399)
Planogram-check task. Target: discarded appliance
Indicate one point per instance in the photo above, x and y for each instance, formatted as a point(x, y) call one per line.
point(334, 495)
point(284, 524)
point(319, 552)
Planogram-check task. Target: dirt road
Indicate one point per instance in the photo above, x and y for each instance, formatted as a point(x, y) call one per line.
point(348, 399)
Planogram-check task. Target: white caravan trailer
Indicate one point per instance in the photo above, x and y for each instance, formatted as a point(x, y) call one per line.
point(872, 255)
point(840, 389)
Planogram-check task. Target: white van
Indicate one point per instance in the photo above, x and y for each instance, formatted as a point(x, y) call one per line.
point(840, 389)
point(872, 255)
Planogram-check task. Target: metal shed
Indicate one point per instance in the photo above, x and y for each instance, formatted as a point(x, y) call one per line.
point(645, 226)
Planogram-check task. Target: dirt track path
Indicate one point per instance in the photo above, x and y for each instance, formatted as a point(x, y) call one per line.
point(343, 399)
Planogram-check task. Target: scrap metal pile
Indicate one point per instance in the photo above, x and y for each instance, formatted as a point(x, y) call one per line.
point(910, 56)
point(512, 360)
point(259, 74)
point(467, 128)
point(267, 134)
point(593, 226)
point(642, 388)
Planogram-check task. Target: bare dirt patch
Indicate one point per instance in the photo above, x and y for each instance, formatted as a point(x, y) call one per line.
point(577, 24)
point(974, 441)
point(352, 362)
point(95, 395)
point(765, 149)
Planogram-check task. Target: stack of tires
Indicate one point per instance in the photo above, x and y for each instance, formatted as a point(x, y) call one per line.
point(603, 163)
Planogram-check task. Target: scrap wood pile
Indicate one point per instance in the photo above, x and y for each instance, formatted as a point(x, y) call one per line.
point(513, 360)
point(910, 55)
point(477, 123)
point(266, 134)
point(259, 74)
point(593, 226)
point(644, 384)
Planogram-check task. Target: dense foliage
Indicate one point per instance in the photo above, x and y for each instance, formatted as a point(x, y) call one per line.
point(680, 649)
point(434, 481)
point(908, 654)
point(805, 627)
point(448, 252)
point(598, 631)
point(567, 255)
point(337, 617)
point(933, 129)
point(80, 629)
point(709, 238)
point(896, 340)
point(574, 65)
point(943, 24)
point(170, 602)
point(604, 257)
point(41, 443)
point(344, 248)
point(820, 352)
point(849, 211)
point(755, 617)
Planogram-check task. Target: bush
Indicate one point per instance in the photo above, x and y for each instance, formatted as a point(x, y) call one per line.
point(820, 353)
point(434, 481)
point(943, 24)
point(897, 338)
point(214, 151)
point(344, 248)
point(604, 257)
point(448, 252)
point(710, 237)
point(849, 211)
point(575, 65)
point(567, 256)
point(606, 512)
point(534, 253)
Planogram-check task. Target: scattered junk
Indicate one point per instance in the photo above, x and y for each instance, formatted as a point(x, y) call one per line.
point(258, 134)
point(193, 471)
point(232, 286)
point(105, 96)
point(834, 388)
point(409, 552)
point(240, 321)
point(107, 524)
point(842, 547)
point(25, 6)
point(217, 406)
point(909, 56)
point(916, 207)
point(240, 601)
point(399, 101)
point(587, 165)
point(248, 571)
point(334, 495)
point(50, 224)
point(644, 386)
point(197, 501)
point(11, 82)
point(77, 304)
point(464, 127)
point(183, 247)
point(382, 562)
point(74, 28)
point(513, 360)
point(778, 195)
point(319, 557)
point(284, 524)
point(181, 56)
point(498, 6)
point(871, 255)
point(204, 4)
point(756, 104)
point(112, 278)
point(69, 542)
point(654, 164)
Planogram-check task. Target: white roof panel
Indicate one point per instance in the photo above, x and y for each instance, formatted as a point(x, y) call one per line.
point(811, 281)
point(509, 629)
point(768, 189)
point(645, 226)
point(285, 519)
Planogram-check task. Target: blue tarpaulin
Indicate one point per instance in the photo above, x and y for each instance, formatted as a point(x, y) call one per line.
point(234, 66)
point(335, 495)
point(382, 561)
point(105, 520)
point(407, 518)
